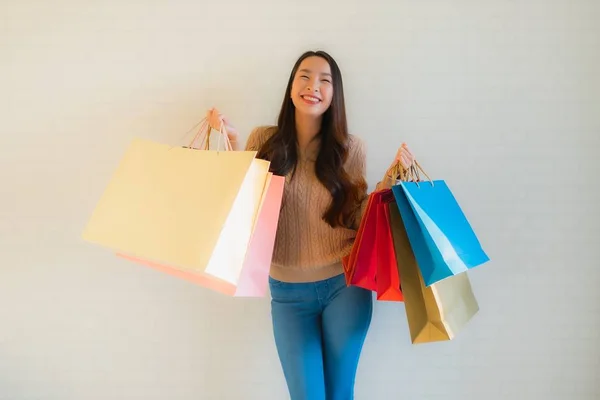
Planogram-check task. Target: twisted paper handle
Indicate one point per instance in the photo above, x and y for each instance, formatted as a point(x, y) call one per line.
point(398, 173)
point(212, 121)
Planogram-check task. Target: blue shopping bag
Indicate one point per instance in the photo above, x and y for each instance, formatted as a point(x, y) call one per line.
point(442, 238)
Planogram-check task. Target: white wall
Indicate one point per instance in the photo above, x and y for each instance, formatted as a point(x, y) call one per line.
point(500, 98)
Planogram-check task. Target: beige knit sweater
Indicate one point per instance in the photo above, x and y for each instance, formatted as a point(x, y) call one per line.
point(307, 249)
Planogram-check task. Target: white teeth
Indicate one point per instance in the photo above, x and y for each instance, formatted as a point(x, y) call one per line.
point(310, 98)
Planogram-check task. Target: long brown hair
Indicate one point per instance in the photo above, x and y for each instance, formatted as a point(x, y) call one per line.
point(281, 148)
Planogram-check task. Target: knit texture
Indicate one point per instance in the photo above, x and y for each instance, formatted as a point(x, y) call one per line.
point(306, 247)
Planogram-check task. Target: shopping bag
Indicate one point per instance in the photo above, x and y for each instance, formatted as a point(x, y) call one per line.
point(193, 210)
point(254, 275)
point(435, 313)
point(255, 272)
point(387, 277)
point(362, 261)
point(443, 241)
point(349, 261)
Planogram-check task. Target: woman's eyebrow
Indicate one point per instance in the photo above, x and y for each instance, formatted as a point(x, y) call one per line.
point(308, 71)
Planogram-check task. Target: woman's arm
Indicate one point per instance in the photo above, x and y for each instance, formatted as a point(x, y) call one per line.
point(357, 162)
point(258, 137)
point(356, 168)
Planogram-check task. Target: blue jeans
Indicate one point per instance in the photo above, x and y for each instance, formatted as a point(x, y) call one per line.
point(319, 330)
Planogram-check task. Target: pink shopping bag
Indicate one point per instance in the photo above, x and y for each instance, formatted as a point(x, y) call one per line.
point(255, 272)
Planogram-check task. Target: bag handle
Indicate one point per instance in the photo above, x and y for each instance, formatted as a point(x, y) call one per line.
point(398, 173)
point(415, 168)
point(211, 121)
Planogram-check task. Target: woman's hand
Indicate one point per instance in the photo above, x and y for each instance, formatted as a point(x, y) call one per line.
point(404, 157)
point(218, 120)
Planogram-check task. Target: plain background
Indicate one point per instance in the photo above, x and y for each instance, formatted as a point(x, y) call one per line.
point(499, 98)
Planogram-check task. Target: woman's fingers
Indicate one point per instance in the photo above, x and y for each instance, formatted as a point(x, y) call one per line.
point(404, 156)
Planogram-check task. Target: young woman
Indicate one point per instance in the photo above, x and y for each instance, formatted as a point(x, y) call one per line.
point(319, 323)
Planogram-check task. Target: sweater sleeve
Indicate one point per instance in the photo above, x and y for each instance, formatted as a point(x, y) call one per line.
point(356, 167)
point(357, 164)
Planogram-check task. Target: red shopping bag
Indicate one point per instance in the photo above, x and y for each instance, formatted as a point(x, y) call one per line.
point(388, 278)
point(349, 262)
point(362, 261)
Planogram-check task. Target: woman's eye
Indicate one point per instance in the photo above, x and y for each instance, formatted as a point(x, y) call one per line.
point(326, 80)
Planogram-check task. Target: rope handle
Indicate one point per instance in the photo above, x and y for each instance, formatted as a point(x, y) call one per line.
point(211, 121)
point(398, 173)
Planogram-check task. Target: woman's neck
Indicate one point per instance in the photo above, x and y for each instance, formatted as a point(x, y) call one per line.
point(307, 128)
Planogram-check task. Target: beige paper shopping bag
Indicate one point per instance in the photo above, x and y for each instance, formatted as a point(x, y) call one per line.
point(191, 209)
point(437, 312)
point(253, 280)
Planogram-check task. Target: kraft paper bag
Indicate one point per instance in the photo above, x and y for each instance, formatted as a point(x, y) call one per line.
point(435, 313)
point(190, 209)
point(253, 280)
point(442, 238)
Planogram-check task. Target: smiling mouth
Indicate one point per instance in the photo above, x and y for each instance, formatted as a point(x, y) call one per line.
point(311, 99)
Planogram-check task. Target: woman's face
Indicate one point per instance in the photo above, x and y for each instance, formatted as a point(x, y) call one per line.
point(312, 88)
